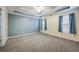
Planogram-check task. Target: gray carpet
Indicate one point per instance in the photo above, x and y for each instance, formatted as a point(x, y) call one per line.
point(39, 43)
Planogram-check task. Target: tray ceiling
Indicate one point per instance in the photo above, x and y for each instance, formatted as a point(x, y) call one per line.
point(33, 10)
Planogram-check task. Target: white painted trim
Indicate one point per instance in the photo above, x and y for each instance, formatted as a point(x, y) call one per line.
point(23, 35)
point(4, 28)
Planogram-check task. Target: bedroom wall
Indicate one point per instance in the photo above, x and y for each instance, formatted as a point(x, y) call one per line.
point(0, 26)
point(18, 25)
point(53, 23)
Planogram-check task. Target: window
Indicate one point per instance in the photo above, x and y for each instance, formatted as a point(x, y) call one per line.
point(44, 24)
point(65, 24)
point(45, 27)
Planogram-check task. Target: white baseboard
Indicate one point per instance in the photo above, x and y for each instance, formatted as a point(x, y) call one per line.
point(23, 35)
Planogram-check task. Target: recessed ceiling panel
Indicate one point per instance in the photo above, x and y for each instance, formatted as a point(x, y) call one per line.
point(34, 10)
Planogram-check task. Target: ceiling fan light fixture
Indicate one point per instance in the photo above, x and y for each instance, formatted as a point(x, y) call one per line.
point(39, 8)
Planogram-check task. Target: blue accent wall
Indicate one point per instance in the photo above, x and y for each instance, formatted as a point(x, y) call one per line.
point(18, 25)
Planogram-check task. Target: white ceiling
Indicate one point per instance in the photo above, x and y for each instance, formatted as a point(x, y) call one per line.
point(37, 10)
point(33, 10)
